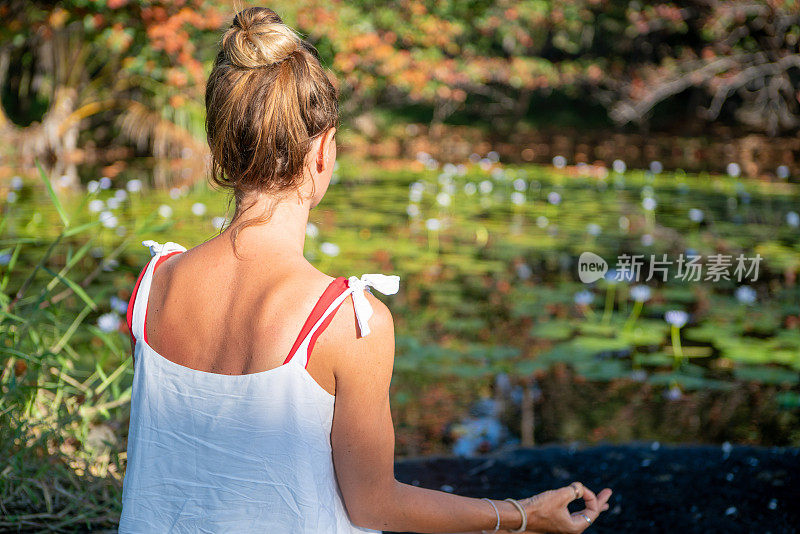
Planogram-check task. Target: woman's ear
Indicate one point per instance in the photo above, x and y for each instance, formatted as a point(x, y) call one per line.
point(326, 145)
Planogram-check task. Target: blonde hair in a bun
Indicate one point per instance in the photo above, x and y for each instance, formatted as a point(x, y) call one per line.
point(267, 98)
point(256, 40)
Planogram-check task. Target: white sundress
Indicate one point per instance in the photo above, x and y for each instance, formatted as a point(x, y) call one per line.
point(215, 453)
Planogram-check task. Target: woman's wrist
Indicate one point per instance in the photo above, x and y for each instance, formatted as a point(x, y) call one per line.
point(510, 518)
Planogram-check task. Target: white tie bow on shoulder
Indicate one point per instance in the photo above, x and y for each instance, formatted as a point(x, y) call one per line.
point(157, 248)
point(386, 284)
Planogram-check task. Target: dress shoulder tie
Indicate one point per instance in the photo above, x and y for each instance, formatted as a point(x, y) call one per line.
point(159, 249)
point(386, 284)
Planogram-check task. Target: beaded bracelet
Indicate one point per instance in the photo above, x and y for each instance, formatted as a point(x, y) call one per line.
point(497, 526)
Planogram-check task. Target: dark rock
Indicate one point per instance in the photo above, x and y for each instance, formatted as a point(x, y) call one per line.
point(666, 488)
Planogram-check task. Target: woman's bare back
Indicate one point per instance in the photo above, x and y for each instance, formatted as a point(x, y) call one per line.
point(212, 312)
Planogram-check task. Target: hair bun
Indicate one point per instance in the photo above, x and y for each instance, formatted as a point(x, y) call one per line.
point(259, 38)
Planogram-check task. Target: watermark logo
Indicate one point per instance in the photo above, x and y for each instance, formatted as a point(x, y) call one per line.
point(591, 267)
point(687, 267)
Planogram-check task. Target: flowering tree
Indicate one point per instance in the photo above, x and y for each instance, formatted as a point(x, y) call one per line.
point(138, 63)
point(629, 56)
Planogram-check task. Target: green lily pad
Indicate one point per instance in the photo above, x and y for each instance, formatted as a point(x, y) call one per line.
point(690, 351)
point(645, 332)
point(556, 330)
point(788, 399)
point(657, 359)
point(766, 375)
point(687, 381)
point(601, 370)
point(598, 329)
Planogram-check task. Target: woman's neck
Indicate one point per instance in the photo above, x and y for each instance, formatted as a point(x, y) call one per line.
point(283, 234)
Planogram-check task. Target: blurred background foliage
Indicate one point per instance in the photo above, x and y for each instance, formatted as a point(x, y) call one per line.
point(490, 143)
point(82, 77)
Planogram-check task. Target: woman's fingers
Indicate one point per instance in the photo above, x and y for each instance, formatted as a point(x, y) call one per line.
point(590, 499)
point(579, 521)
point(595, 505)
point(567, 494)
point(604, 495)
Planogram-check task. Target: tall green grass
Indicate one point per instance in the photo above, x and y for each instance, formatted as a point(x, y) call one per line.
point(60, 466)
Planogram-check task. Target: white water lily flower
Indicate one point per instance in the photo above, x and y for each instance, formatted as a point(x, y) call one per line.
point(696, 215)
point(677, 318)
point(415, 191)
point(524, 271)
point(219, 222)
point(745, 294)
point(329, 249)
point(611, 277)
point(108, 219)
point(640, 293)
point(199, 209)
point(433, 225)
point(134, 186)
point(674, 393)
point(108, 322)
point(118, 305)
point(640, 375)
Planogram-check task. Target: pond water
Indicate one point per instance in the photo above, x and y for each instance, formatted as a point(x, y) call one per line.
point(490, 263)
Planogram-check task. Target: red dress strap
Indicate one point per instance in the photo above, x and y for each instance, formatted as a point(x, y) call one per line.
point(132, 300)
point(331, 293)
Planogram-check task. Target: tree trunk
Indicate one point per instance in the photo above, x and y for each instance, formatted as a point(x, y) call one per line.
point(527, 420)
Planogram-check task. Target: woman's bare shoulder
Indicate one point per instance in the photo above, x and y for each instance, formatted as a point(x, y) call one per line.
point(345, 348)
